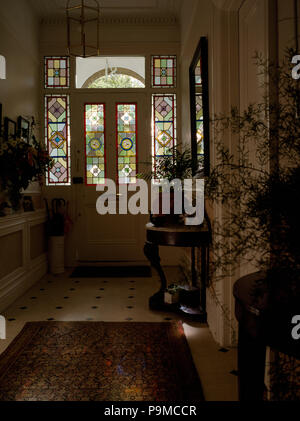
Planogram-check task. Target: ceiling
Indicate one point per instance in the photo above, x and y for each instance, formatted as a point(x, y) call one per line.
point(46, 9)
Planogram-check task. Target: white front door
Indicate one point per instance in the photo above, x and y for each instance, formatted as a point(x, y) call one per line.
point(108, 237)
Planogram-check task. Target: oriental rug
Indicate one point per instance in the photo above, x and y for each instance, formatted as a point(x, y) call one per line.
point(99, 361)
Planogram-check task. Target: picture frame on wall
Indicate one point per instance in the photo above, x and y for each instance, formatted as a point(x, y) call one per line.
point(23, 129)
point(28, 204)
point(10, 128)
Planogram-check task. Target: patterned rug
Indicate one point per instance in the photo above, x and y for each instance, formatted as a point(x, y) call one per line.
point(99, 361)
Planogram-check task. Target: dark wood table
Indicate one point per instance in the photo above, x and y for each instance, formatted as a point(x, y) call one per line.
point(179, 236)
point(260, 326)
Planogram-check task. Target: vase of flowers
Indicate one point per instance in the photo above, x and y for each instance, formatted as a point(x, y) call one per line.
point(21, 163)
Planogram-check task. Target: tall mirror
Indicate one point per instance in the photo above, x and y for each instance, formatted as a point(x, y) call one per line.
point(199, 102)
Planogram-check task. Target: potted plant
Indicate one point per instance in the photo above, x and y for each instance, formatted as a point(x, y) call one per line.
point(188, 288)
point(177, 164)
point(260, 198)
point(171, 294)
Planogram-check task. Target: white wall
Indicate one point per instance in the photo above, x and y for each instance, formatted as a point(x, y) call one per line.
point(19, 34)
point(23, 258)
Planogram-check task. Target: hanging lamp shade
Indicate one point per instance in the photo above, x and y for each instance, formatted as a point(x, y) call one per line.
point(83, 19)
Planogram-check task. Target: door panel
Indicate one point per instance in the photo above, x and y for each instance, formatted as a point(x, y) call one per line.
point(108, 237)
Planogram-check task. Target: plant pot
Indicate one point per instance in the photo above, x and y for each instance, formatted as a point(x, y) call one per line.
point(162, 219)
point(171, 298)
point(189, 296)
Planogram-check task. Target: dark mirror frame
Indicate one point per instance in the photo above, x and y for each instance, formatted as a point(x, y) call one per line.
point(202, 54)
point(10, 128)
point(1, 119)
point(23, 128)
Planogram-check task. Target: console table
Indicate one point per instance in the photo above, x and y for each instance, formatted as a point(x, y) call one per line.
point(179, 236)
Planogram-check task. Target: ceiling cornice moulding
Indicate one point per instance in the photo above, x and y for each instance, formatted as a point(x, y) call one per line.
point(122, 20)
point(228, 5)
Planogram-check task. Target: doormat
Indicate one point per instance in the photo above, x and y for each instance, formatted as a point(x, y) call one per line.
point(99, 361)
point(111, 272)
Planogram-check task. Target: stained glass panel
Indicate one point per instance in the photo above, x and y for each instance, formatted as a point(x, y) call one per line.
point(198, 80)
point(163, 69)
point(126, 143)
point(57, 72)
point(164, 125)
point(57, 136)
point(94, 130)
point(199, 127)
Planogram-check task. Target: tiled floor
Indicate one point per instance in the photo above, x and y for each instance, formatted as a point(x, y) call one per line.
point(65, 298)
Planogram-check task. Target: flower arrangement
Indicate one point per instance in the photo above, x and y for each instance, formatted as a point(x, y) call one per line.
point(21, 163)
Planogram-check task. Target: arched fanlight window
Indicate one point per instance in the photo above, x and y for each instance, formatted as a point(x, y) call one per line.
point(110, 72)
point(2, 67)
point(120, 78)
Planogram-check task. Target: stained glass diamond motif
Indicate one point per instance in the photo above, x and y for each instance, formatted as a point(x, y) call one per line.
point(57, 110)
point(163, 71)
point(95, 171)
point(163, 108)
point(94, 118)
point(164, 138)
point(58, 172)
point(126, 141)
point(57, 140)
point(126, 170)
point(126, 118)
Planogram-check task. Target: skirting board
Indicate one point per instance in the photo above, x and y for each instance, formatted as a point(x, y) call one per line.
point(18, 282)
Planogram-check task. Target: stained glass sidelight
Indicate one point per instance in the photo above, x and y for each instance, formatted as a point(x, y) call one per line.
point(199, 127)
point(57, 136)
point(126, 132)
point(198, 79)
point(94, 130)
point(164, 125)
point(163, 71)
point(57, 72)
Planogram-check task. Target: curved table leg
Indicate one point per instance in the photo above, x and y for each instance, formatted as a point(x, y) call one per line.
point(151, 251)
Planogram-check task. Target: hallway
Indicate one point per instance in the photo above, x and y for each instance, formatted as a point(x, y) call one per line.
point(63, 298)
